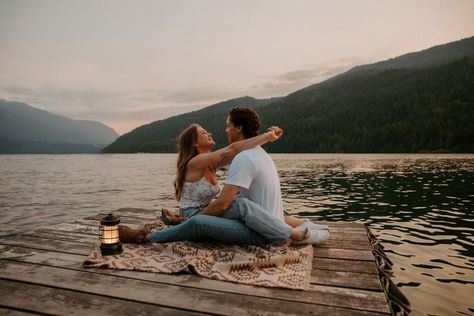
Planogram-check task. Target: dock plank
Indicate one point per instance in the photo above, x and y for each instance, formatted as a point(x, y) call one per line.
point(343, 254)
point(345, 279)
point(349, 298)
point(51, 300)
point(15, 311)
point(172, 296)
point(344, 265)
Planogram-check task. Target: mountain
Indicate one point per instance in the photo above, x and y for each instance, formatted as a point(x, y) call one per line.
point(401, 110)
point(418, 102)
point(434, 56)
point(25, 129)
point(160, 136)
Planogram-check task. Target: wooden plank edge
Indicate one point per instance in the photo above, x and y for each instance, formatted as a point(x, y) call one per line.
point(194, 281)
point(396, 300)
point(169, 295)
point(30, 297)
point(16, 311)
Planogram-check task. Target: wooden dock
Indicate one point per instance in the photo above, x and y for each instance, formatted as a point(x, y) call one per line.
point(41, 273)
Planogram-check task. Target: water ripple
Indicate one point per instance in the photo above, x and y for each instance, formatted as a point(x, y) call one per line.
point(419, 206)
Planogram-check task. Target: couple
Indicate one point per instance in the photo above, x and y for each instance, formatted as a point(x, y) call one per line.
point(249, 209)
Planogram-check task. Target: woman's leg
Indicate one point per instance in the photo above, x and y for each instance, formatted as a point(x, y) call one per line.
point(257, 218)
point(298, 222)
point(293, 221)
point(205, 227)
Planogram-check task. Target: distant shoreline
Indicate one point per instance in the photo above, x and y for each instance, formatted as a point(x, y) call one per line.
point(271, 153)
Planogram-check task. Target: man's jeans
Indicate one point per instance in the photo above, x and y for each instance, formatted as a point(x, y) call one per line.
point(245, 222)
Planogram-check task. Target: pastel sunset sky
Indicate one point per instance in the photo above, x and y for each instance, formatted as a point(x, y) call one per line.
point(127, 63)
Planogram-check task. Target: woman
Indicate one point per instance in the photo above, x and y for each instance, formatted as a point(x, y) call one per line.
point(196, 185)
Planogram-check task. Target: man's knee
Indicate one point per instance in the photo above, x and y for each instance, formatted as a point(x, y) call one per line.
point(244, 204)
point(241, 200)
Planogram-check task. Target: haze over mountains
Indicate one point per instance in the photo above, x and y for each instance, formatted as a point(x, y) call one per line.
point(160, 136)
point(25, 129)
point(418, 102)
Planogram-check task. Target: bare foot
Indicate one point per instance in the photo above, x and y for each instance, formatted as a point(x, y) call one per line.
point(298, 234)
point(170, 218)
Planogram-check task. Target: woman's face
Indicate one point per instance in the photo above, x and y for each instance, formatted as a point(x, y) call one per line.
point(204, 138)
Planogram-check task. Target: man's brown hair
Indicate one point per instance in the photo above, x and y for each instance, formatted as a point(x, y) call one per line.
point(247, 118)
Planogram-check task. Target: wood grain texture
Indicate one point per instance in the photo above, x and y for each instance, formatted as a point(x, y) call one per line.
point(343, 297)
point(41, 272)
point(171, 296)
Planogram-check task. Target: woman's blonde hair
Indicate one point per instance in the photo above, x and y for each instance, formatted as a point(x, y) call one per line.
point(187, 141)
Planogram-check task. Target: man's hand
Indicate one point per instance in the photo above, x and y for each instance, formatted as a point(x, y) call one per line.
point(220, 205)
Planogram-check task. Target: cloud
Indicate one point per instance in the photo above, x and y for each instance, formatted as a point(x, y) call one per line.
point(199, 95)
point(114, 107)
point(294, 80)
point(68, 97)
point(291, 81)
point(92, 98)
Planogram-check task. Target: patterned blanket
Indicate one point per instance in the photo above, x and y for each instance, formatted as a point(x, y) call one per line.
point(284, 266)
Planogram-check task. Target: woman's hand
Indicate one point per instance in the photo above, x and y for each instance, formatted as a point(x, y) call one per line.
point(275, 132)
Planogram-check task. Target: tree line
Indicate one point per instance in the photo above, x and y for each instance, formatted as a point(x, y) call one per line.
point(394, 111)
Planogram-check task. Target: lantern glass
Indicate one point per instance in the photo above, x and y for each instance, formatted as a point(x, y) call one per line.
point(110, 234)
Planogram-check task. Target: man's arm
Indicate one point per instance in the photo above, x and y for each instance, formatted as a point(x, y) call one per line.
point(220, 205)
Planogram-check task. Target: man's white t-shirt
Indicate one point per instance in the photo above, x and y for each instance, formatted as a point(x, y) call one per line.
point(255, 173)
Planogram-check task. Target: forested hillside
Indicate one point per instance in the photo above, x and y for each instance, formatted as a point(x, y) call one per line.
point(401, 110)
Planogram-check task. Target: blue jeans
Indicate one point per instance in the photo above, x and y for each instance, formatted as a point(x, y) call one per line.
point(254, 216)
point(239, 225)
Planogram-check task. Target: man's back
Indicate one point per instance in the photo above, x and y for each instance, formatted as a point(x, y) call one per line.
point(255, 173)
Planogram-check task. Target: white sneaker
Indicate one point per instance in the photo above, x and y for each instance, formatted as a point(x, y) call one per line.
point(313, 237)
point(313, 226)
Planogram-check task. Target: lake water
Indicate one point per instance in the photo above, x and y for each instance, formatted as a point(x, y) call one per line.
point(420, 206)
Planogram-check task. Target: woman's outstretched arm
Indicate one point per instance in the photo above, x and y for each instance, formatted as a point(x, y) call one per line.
point(225, 155)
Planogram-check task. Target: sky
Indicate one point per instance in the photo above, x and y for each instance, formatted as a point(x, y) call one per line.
point(128, 63)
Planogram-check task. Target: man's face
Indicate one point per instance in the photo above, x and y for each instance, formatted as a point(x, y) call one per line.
point(233, 133)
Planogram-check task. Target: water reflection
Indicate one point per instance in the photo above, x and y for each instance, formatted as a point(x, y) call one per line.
point(421, 207)
point(39, 190)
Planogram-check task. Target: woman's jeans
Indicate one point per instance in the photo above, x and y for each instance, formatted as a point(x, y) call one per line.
point(245, 222)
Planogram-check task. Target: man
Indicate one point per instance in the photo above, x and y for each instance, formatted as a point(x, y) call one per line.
point(253, 176)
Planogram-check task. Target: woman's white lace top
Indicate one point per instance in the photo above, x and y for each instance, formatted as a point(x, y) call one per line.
point(198, 193)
